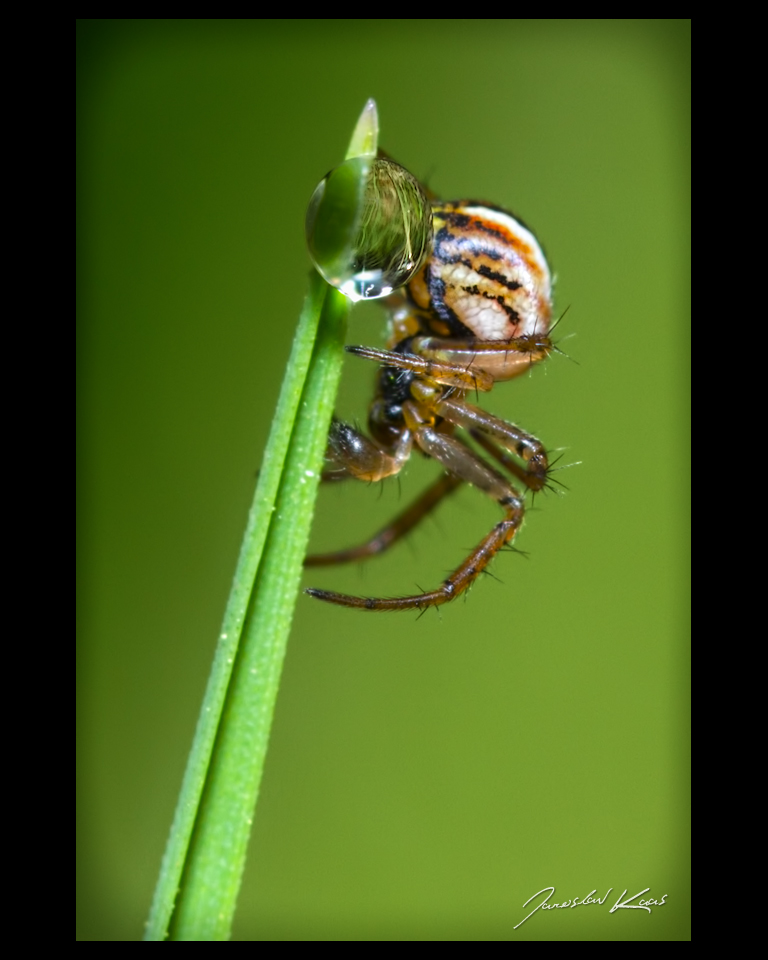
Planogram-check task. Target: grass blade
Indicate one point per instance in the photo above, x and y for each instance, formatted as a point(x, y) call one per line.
point(204, 859)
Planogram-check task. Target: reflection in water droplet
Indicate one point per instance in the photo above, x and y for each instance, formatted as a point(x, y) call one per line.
point(369, 227)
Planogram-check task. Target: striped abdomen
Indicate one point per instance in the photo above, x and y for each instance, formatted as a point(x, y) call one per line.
point(487, 276)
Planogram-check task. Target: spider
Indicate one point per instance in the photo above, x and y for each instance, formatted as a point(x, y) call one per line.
point(478, 312)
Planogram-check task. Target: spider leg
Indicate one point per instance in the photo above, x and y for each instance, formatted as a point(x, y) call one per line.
point(491, 432)
point(465, 465)
point(401, 525)
point(507, 461)
point(502, 359)
point(457, 363)
point(448, 374)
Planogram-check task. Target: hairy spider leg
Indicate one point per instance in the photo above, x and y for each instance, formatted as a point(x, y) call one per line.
point(394, 531)
point(534, 482)
point(502, 359)
point(464, 364)
point(460, 461)
point(462, 414)
point(447, 374)
point(480, 423)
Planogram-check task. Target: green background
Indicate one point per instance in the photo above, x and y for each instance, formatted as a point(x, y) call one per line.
point(425, 776)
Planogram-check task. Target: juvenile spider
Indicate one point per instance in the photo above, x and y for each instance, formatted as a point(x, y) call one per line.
point(478, 312)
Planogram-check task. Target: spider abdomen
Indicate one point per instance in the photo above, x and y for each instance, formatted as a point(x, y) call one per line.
point(487, 276)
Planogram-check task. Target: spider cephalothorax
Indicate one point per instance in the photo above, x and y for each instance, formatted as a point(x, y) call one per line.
point(479, 311)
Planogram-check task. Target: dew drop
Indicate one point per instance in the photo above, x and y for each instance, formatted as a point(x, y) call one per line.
point(369, 227)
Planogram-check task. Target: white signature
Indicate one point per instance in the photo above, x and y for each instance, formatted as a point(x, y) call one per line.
point(621, 903)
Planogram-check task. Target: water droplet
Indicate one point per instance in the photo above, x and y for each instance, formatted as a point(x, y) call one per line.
point(369, 227)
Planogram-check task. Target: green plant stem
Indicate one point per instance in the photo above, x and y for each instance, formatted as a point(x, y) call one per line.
point(204, 858)
point(212, 859)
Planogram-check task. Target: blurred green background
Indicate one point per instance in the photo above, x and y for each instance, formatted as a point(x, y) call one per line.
point(425, 776)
